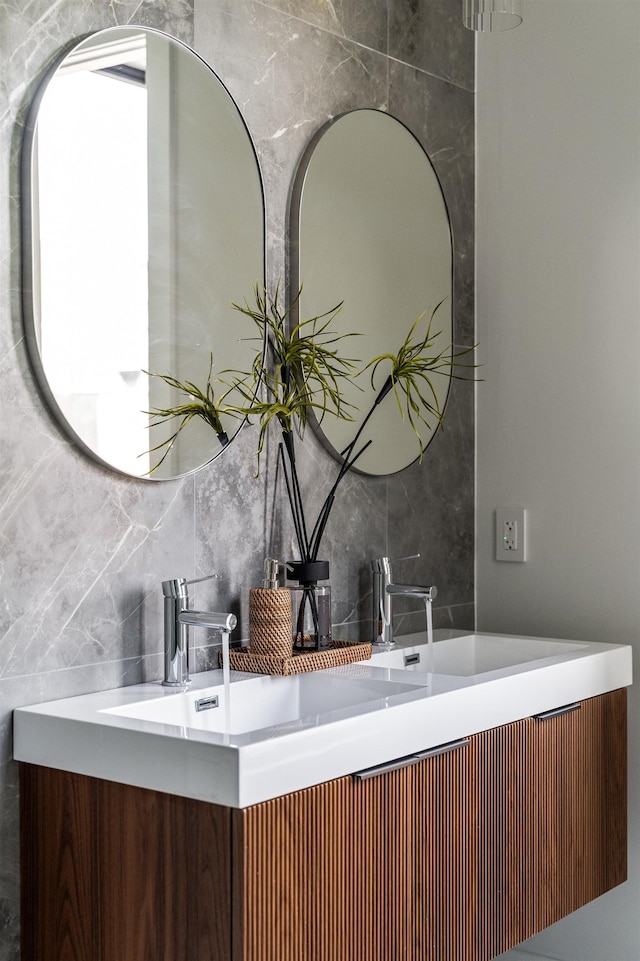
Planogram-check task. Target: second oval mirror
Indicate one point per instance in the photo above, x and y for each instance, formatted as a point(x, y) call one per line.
point(370, 228)
point(144, 221)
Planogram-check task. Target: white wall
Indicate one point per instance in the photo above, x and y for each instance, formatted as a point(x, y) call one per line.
point(558, 302)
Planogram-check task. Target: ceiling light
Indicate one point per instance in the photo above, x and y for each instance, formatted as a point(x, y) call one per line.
point(484, 15)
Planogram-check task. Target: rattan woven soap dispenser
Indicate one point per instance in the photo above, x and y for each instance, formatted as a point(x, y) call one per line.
point(270, 626)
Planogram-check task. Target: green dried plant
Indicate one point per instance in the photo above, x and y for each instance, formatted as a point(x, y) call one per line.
point(411, 374)
point(203, 405)
point(302, 370)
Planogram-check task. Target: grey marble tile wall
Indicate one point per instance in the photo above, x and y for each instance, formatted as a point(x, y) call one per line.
point(82, 550)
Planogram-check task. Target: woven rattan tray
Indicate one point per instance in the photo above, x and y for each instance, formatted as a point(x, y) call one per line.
point(341, 652)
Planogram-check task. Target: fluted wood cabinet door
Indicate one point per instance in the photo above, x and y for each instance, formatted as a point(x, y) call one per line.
point(374, 870)
point(579, 817)
point(551, 796)
point(459, 856)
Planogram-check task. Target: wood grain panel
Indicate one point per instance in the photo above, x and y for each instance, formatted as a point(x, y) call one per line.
point(116, 873)
point(208, 852)
point(614, 790)
point(166, 877)
point(132, 874)
point(60, 867)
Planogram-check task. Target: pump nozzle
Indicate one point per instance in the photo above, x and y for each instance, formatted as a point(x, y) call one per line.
point(270, 581)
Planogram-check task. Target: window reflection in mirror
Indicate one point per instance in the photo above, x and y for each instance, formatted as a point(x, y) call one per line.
point(92, 128)
point(146, 220)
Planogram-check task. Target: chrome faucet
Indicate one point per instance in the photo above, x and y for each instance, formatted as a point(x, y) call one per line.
point(177, 619)
point(383, 589)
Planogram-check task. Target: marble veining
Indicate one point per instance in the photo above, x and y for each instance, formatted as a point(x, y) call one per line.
point(83, 550)
point(430, 35)
point(364, 21)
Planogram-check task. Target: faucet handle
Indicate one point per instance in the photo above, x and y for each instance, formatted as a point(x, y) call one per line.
point(382, 565)
point(177, 586)
point(207, 577)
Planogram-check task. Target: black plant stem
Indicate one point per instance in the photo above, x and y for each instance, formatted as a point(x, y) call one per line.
point(300, 622)
point(348, 461)
point(320, 524)
point(309, 547)
point(308, 597)
point(382, 393)
point(311, 597)
point(296, 502)
point(294, 514)
point(325, 510)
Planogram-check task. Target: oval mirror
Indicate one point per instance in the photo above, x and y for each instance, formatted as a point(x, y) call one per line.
point(370, 228)
point(144, 221)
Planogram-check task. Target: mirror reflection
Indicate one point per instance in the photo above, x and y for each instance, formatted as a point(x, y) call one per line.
point(145, 220)
point(370, 228)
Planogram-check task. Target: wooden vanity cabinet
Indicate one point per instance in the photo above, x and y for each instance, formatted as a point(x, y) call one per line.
point(551, 794)
point(459, 856)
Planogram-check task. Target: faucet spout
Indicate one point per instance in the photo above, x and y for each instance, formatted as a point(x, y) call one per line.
point(413, 590)
point(177, 619)
point(217, 622)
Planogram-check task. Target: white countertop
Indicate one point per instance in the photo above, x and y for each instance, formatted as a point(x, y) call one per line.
point(360, 716)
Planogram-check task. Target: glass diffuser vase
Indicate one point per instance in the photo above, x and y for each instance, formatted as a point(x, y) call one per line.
point(310, 605)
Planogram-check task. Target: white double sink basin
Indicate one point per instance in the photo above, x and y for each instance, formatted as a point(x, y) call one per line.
point(264, 736)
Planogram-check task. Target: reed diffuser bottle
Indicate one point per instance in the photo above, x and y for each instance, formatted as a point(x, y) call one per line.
point(310, 606)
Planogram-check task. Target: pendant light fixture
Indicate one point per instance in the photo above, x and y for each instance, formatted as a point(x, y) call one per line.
point(484, 15)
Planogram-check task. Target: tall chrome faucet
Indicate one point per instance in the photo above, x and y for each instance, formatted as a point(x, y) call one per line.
point(177, 619)
point(383, 589)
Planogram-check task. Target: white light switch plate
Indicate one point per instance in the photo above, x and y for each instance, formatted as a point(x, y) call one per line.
point(510, 534)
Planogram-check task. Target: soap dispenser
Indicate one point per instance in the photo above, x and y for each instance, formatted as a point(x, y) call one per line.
point(270, 624)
